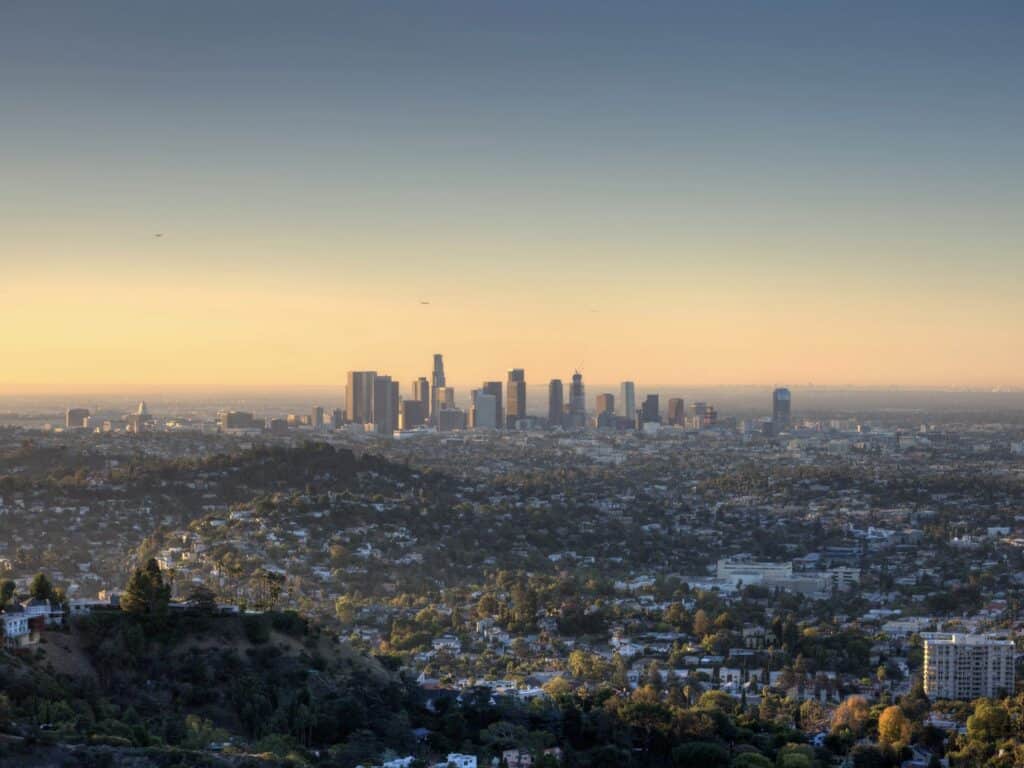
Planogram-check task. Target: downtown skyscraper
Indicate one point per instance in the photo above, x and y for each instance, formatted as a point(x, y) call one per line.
point(483, 413)
point(494, 388)
point(359, 396)
point(676, 415)
point(437, 383)
point(627, 400)
point(385, 405)
point(556, 403)
point(604, 403)
point(516, 386)
point(649, 411)
point(577, 403)
point(421, 391)
point(781, 409)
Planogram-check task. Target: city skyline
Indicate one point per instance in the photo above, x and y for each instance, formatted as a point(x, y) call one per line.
point(218, 197)
point(461, 384)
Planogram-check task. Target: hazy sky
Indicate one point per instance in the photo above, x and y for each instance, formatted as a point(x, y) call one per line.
point(724, 192)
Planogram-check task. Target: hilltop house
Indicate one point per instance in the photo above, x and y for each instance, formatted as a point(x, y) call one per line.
point(17, 631)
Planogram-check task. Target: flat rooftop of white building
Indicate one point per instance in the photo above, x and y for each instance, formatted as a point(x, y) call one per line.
point(960, 638)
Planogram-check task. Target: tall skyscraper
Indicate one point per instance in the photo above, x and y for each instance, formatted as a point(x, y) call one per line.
point(494, 388)
point(450, 418)
point(76, 418)
point(649, 411)
point(577, 402)
point(238, 420)
point(556, 403)
point(317, 417)
point(337, 418)
point(411, 414)
point(395, 402)
point(422, 393)
point(484, 412)
point(445, 398)
point(437, 382)
point(604, 410)
point(627, 399)
point(702, 415)
point(676, 415)
point(781, 402)
point(359, 396)
point(421, 390)
point(385, 405)
point(516, 397)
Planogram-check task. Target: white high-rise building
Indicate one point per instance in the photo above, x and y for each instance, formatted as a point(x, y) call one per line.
point(627, 400)
point(966, 667)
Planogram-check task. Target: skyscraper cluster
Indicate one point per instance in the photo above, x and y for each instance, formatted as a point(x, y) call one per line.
point(373, 400)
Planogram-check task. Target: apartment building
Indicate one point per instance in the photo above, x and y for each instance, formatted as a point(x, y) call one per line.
point(960, 666)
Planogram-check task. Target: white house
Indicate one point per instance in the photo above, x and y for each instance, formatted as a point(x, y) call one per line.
point(53, 614)
point(16, 630)
point(459, 761)
point(447, 643)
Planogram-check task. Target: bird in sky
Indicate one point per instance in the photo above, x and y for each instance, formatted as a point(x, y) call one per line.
point(424, 302)
point(159, 234)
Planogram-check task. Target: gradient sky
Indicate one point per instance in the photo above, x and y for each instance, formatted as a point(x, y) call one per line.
point(713, 193)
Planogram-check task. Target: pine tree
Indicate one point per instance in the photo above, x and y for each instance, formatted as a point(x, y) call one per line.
point(41, 588)
point(146, 591)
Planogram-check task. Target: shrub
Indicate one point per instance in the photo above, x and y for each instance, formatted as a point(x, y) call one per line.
point(257, 628)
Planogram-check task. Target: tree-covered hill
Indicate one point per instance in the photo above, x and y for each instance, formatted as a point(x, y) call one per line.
point(251, 684)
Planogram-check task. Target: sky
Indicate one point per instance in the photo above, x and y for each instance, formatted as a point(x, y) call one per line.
point(675, 193)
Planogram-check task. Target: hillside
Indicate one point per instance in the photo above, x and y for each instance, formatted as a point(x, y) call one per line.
point(250, 685)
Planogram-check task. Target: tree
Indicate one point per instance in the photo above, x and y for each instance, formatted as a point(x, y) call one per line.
point(557, 686)
point(41, 588)
point(7, 589)
point(266, 587)
point(487, 606)
point(894, 728)
point(502, 735)
point(202, 599)
point(989, 723)
point(717, 700)
point(751, 760)
point(813, 717)
point(852, 714)
point(338, 554)
point(520, 648)
point(868, 756)
point(146, 591)
point(200, 733)
point(345, 607)
point(916, 704)
point(701, 623)
point(700, 754)
point(795, 756)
